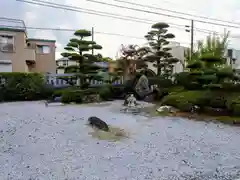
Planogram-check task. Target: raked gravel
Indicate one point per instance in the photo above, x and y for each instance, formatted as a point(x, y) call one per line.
point(53, 143)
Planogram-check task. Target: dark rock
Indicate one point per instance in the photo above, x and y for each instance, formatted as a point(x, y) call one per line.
point(98, 123)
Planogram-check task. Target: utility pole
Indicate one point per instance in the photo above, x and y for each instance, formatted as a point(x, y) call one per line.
point(92, 39)
point(192, 34)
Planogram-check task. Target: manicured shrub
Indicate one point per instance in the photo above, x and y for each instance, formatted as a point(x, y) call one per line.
point(181, 79)
point(105, 93)
point(75, 96)
point(160, 81)
point(193, 86)
point(233, 103)
point(185, 100)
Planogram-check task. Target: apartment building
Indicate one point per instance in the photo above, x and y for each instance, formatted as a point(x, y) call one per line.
point(19, 53)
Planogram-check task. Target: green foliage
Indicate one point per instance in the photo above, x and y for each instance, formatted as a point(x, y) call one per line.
point(161, 81)
point(185, 100)
point(233, 103)
point(74, 96)
point(77, 49)
point(23, 86)
point(159, 54)
point(207, 65)
point(105, 93)
point(213, 45)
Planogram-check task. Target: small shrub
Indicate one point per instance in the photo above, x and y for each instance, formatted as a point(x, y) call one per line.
point(185, 100)
point(72, 96)
point(181, 78)
point(105, 93)
point(233, 104)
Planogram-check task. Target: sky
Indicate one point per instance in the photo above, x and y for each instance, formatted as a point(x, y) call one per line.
point(46, 17)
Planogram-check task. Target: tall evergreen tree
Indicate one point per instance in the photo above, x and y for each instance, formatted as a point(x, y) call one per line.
point(77, 50)
point(159, 54)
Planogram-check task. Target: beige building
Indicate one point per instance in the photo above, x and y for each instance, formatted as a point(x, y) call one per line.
point(18, 53)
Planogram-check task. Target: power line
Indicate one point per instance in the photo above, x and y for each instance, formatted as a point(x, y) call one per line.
point(162, 14)
point(176, 12)
point(72, 30)
point(94, 12)
point(111, 15)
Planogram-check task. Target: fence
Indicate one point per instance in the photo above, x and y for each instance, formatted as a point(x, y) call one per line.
point(54, 80)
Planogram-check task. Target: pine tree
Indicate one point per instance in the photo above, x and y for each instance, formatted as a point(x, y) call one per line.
point(159, 53)
point(77, 50)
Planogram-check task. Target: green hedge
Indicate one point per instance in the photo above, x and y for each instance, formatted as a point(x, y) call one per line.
point(23, 86)
point(160, 81)
point(185, 100)
point(76, 95)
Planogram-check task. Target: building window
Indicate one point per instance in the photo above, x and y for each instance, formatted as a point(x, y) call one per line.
point(6, 43)
point(43, 49)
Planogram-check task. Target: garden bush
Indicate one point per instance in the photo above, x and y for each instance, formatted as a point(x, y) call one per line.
point(83, 96)
point(23, 86)
point(69, 96)
point(160, 81)
point(105, 92)
point(185, 100)
point(233, 104)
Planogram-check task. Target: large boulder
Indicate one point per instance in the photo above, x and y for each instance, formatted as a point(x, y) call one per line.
point(98, 123)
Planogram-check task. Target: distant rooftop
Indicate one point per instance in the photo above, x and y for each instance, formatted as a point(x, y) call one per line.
point(43, 40)
point(11, 29)
point(17, 25)
point(10, 24)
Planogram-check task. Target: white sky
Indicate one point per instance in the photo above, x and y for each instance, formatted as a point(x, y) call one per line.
point(40, 16)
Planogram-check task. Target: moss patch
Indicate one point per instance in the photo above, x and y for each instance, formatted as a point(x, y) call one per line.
point(228, 120)
point(114, 134)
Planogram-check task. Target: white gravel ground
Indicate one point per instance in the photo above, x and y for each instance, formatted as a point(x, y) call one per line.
point(53, 143)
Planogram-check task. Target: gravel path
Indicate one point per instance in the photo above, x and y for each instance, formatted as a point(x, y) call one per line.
point(53, 143)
